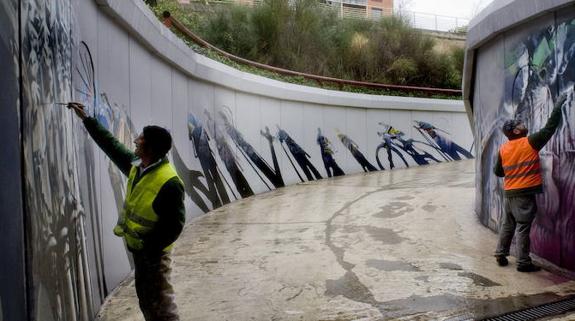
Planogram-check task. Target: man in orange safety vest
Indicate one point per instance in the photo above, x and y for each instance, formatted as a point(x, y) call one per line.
point(518, 161)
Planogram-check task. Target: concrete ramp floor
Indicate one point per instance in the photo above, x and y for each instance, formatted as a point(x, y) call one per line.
point(390, 245)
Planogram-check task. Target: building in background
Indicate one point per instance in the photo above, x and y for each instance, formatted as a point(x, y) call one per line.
point(373, 9)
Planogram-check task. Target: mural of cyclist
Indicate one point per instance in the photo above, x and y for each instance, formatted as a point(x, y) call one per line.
point(388, 135)
point(420, 156)
point(357, 154)
point(329, 162)
point(446, 145)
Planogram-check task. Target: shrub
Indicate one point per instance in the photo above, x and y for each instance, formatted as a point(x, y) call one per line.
point(302, 35)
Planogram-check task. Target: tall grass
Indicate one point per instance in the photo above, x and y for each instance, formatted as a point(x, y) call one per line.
point(304, 36)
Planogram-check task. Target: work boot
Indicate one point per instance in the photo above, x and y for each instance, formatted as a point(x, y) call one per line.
point(501, 260)
point(528, 268)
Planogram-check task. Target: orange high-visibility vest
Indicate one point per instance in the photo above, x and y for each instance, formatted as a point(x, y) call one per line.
point(521, 164)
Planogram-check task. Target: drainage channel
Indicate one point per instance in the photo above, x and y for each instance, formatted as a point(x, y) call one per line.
point(538, 312)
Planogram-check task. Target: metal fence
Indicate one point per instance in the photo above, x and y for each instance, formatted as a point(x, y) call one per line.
point(360, 9)
point(435, 22)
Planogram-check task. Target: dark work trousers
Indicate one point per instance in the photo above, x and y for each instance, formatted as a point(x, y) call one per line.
point(519, 214)
point(155, 293)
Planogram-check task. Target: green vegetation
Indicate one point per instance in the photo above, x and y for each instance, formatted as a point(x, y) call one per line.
point(307, 37)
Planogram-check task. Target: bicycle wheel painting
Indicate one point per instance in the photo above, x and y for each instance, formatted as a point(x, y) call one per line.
point(83, 78)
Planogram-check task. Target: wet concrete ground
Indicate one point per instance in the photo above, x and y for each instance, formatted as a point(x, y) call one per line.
point(392, 245)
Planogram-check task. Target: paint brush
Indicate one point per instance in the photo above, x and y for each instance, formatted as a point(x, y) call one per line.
point(61, 104)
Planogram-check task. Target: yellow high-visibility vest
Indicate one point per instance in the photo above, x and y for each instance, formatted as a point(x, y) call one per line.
point(138, 217)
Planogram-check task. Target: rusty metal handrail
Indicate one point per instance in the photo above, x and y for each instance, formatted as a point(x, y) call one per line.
point(170, 21)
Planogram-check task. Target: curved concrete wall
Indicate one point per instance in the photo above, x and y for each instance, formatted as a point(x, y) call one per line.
point(519, 59)
point(235, 135)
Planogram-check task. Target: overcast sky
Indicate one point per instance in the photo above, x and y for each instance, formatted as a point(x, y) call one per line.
point(455, 8)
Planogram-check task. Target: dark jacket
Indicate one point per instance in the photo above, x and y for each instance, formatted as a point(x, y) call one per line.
point(169, 203)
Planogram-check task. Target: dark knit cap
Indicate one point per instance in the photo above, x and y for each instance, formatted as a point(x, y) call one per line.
point(509, 126)
point(158, 140)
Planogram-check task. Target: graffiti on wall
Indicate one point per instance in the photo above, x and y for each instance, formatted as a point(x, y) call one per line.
point(537, 70)
point(58, 168)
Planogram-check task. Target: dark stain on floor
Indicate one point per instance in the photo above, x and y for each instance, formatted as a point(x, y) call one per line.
point(416, 304)
point(478, 279)
point(451, 266)
point(384, 265)
point(350, 229)
point(424, 278)
point(384, 235)
point(394, 209)
point(350, 287)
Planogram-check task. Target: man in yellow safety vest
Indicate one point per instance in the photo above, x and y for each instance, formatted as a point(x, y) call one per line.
point(153, 215)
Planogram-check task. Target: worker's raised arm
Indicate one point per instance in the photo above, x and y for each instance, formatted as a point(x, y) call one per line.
point(539, 139)
point(118, 153)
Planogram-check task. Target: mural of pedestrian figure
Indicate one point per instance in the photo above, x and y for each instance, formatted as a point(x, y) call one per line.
point(446, 145)
point(300, 155)
point(154, 214)
point(193, 186)
point(518, 162)
point(357, 154)
point(274, 174)
point(388, 135)
point(229, 159)
point(217, 193)
point(329, 162)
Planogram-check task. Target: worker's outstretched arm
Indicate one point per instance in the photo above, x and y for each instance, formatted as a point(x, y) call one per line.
point(539, 139)
point(118, 153)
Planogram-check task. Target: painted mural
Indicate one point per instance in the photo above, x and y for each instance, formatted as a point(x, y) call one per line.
point(212, 183)
point(58, 171)
point(538, 69)
point(73, 192)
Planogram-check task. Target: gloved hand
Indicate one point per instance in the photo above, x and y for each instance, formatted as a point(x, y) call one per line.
point(78, 109)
